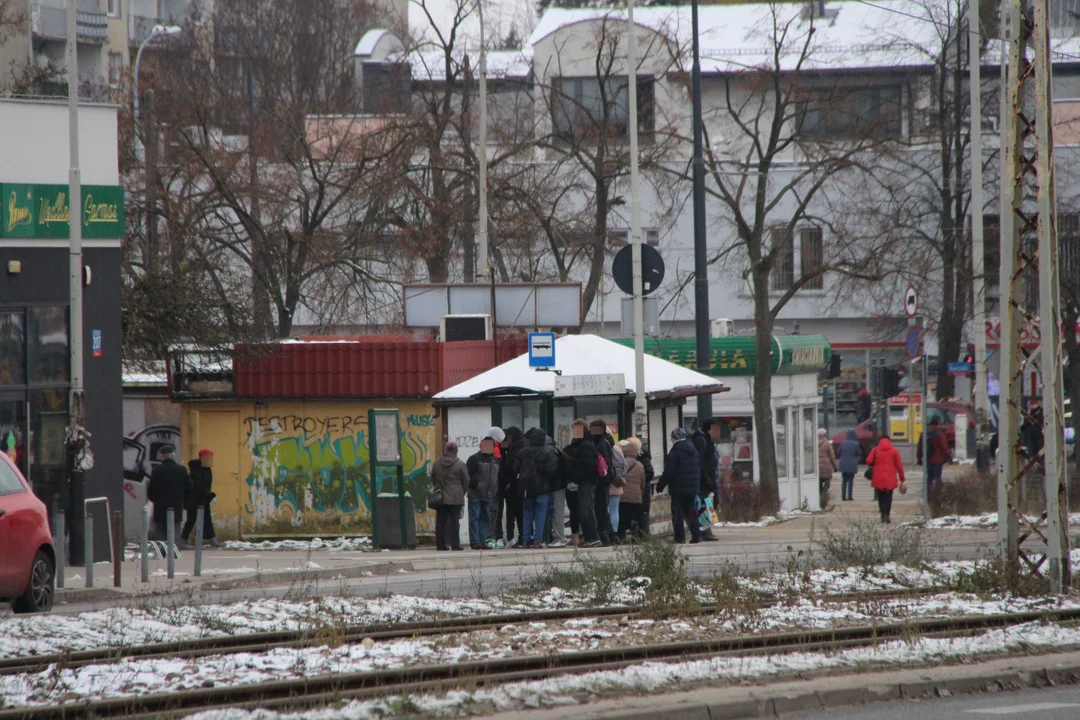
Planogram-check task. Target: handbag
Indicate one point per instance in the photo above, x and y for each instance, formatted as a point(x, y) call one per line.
point(869, 474)
point(434, 500)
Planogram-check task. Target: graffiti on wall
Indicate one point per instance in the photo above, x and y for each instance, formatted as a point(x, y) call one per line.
point(312, 471)
point(141, 449)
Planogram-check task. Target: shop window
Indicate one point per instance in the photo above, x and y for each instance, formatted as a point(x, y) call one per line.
point(809, 435)
point(735, 448)
point(12, 349)
point(47, 337)
point(780, 428)
point(564, 421)
point(48, 420)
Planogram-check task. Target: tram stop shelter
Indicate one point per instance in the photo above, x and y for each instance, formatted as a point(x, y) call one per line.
point(593, 378)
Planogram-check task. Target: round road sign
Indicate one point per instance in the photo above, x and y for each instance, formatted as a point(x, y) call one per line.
point(911, 301)
point(912, 343)
point(652, 269)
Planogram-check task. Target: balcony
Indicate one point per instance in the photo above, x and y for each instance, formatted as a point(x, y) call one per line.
point(50, 21)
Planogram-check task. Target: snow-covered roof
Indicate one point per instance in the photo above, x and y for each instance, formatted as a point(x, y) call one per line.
point(429, 63)
point(367, 43)
point(737, 37)
point(585, 355)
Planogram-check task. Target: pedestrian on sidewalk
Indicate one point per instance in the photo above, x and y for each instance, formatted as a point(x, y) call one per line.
point(509, 493)
point(615, 491)
point(682, 475)
point(704, 439)
point(887, 474)
point(645, 459)
point(633, 492)
point(850, 450)
point(483, 469)
point(557, 504)
point(202, 482)
point(450, 477)
point(826, 462)
point(169, 489)
point(535, 469)
point(585, 474)
point(604, 446)
point(863, 406)
point(939, 454)
point(495, 508)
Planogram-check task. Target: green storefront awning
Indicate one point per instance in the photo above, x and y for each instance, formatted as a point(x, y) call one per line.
point(737, 356)
point(43, 212)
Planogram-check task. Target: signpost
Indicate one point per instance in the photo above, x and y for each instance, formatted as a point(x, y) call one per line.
point(961, 368)
point(385, 451)
point(911, 301)
point(578, 385)
point(912, 343)
point(652, 269)
point(542, 350)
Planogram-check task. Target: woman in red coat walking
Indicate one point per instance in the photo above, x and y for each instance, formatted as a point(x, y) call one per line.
point(888, 474)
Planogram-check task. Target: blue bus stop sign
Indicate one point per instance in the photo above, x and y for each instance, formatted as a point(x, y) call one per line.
point(912, 343)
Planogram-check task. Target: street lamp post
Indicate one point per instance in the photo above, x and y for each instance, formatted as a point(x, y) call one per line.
point(701, 266)
point(156, 32)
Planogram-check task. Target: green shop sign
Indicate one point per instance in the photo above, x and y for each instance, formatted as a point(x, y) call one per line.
point(43, 211)
point(737, 356)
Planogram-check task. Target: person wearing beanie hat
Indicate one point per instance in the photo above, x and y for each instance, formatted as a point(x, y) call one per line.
point(682, 474)
point(450, 478)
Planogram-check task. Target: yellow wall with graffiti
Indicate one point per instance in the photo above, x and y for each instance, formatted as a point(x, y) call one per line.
point(302, 468)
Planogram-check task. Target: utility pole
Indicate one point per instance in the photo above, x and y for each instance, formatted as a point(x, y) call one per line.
point(150, 128)
point(641, 412)
point(75, 281)
point(701, 265)
point(982, 400)
point(1027, 144)
point(485, 264)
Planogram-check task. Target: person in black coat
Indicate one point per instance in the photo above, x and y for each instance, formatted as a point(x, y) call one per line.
point(582, 453)
point(535, 469)
point(202, 481)
point(682, 477)
point(511, 445)
point(169, 489)
point(605, 445)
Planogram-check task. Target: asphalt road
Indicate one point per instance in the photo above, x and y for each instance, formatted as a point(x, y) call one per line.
point(1045, 704)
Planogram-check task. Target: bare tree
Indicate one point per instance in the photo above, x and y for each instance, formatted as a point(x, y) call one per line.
point(275, 177)
point(796, 141)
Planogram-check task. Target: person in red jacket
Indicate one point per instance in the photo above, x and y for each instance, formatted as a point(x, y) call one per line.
point(888, 474)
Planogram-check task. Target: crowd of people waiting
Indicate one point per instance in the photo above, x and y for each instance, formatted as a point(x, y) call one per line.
point(518, 487)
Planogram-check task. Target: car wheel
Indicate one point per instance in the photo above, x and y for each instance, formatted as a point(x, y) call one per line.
point(39, 590)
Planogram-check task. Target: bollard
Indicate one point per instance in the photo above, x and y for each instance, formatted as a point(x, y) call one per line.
point(88, 549)
point(199, 514)
point(144, 545)
point(61, 548)
point(170, 542)
point(117, 547)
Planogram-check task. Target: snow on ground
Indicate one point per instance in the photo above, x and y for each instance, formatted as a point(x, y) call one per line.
point(341, 543)
point(152, 676)
point(984, 521)
point(782, 516)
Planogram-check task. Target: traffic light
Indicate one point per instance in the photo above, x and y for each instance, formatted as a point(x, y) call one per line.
point(969, 358)
point(834, 366)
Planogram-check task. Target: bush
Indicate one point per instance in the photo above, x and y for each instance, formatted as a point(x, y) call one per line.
point(969, 494)
point(868, 544)
point(741, 501)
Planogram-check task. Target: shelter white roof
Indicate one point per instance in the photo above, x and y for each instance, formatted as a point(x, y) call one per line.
point(585, 355)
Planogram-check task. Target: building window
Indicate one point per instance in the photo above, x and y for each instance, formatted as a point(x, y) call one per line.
point(1068, 247)
point(991, 250)
point(113, 7)
point(116, 67)
point(853, 111)
point(586, 108)
point(812, 257)
point(782, 243)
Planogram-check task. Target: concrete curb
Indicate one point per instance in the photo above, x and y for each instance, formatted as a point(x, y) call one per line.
point(821, 694)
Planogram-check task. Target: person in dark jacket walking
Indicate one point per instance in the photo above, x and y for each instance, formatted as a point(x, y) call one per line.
point(850, 450)
point(483, 469)
point(535, 467)
point(604, 445)
point(863, 406)
point(449, 476)
point(202, 481)
point(583, 473)
point(169, 489)
point(512, 444)
point(682, 477)
point(940, 454)
point(705, 439)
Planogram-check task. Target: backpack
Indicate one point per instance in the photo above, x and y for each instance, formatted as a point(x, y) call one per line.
point(601, 465)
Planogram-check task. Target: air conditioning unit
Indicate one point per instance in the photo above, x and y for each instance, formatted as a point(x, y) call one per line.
point(465, 327)
point(724, 327)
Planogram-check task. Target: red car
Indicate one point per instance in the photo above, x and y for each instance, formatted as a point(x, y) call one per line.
point(867, 435)
point(27, 555)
